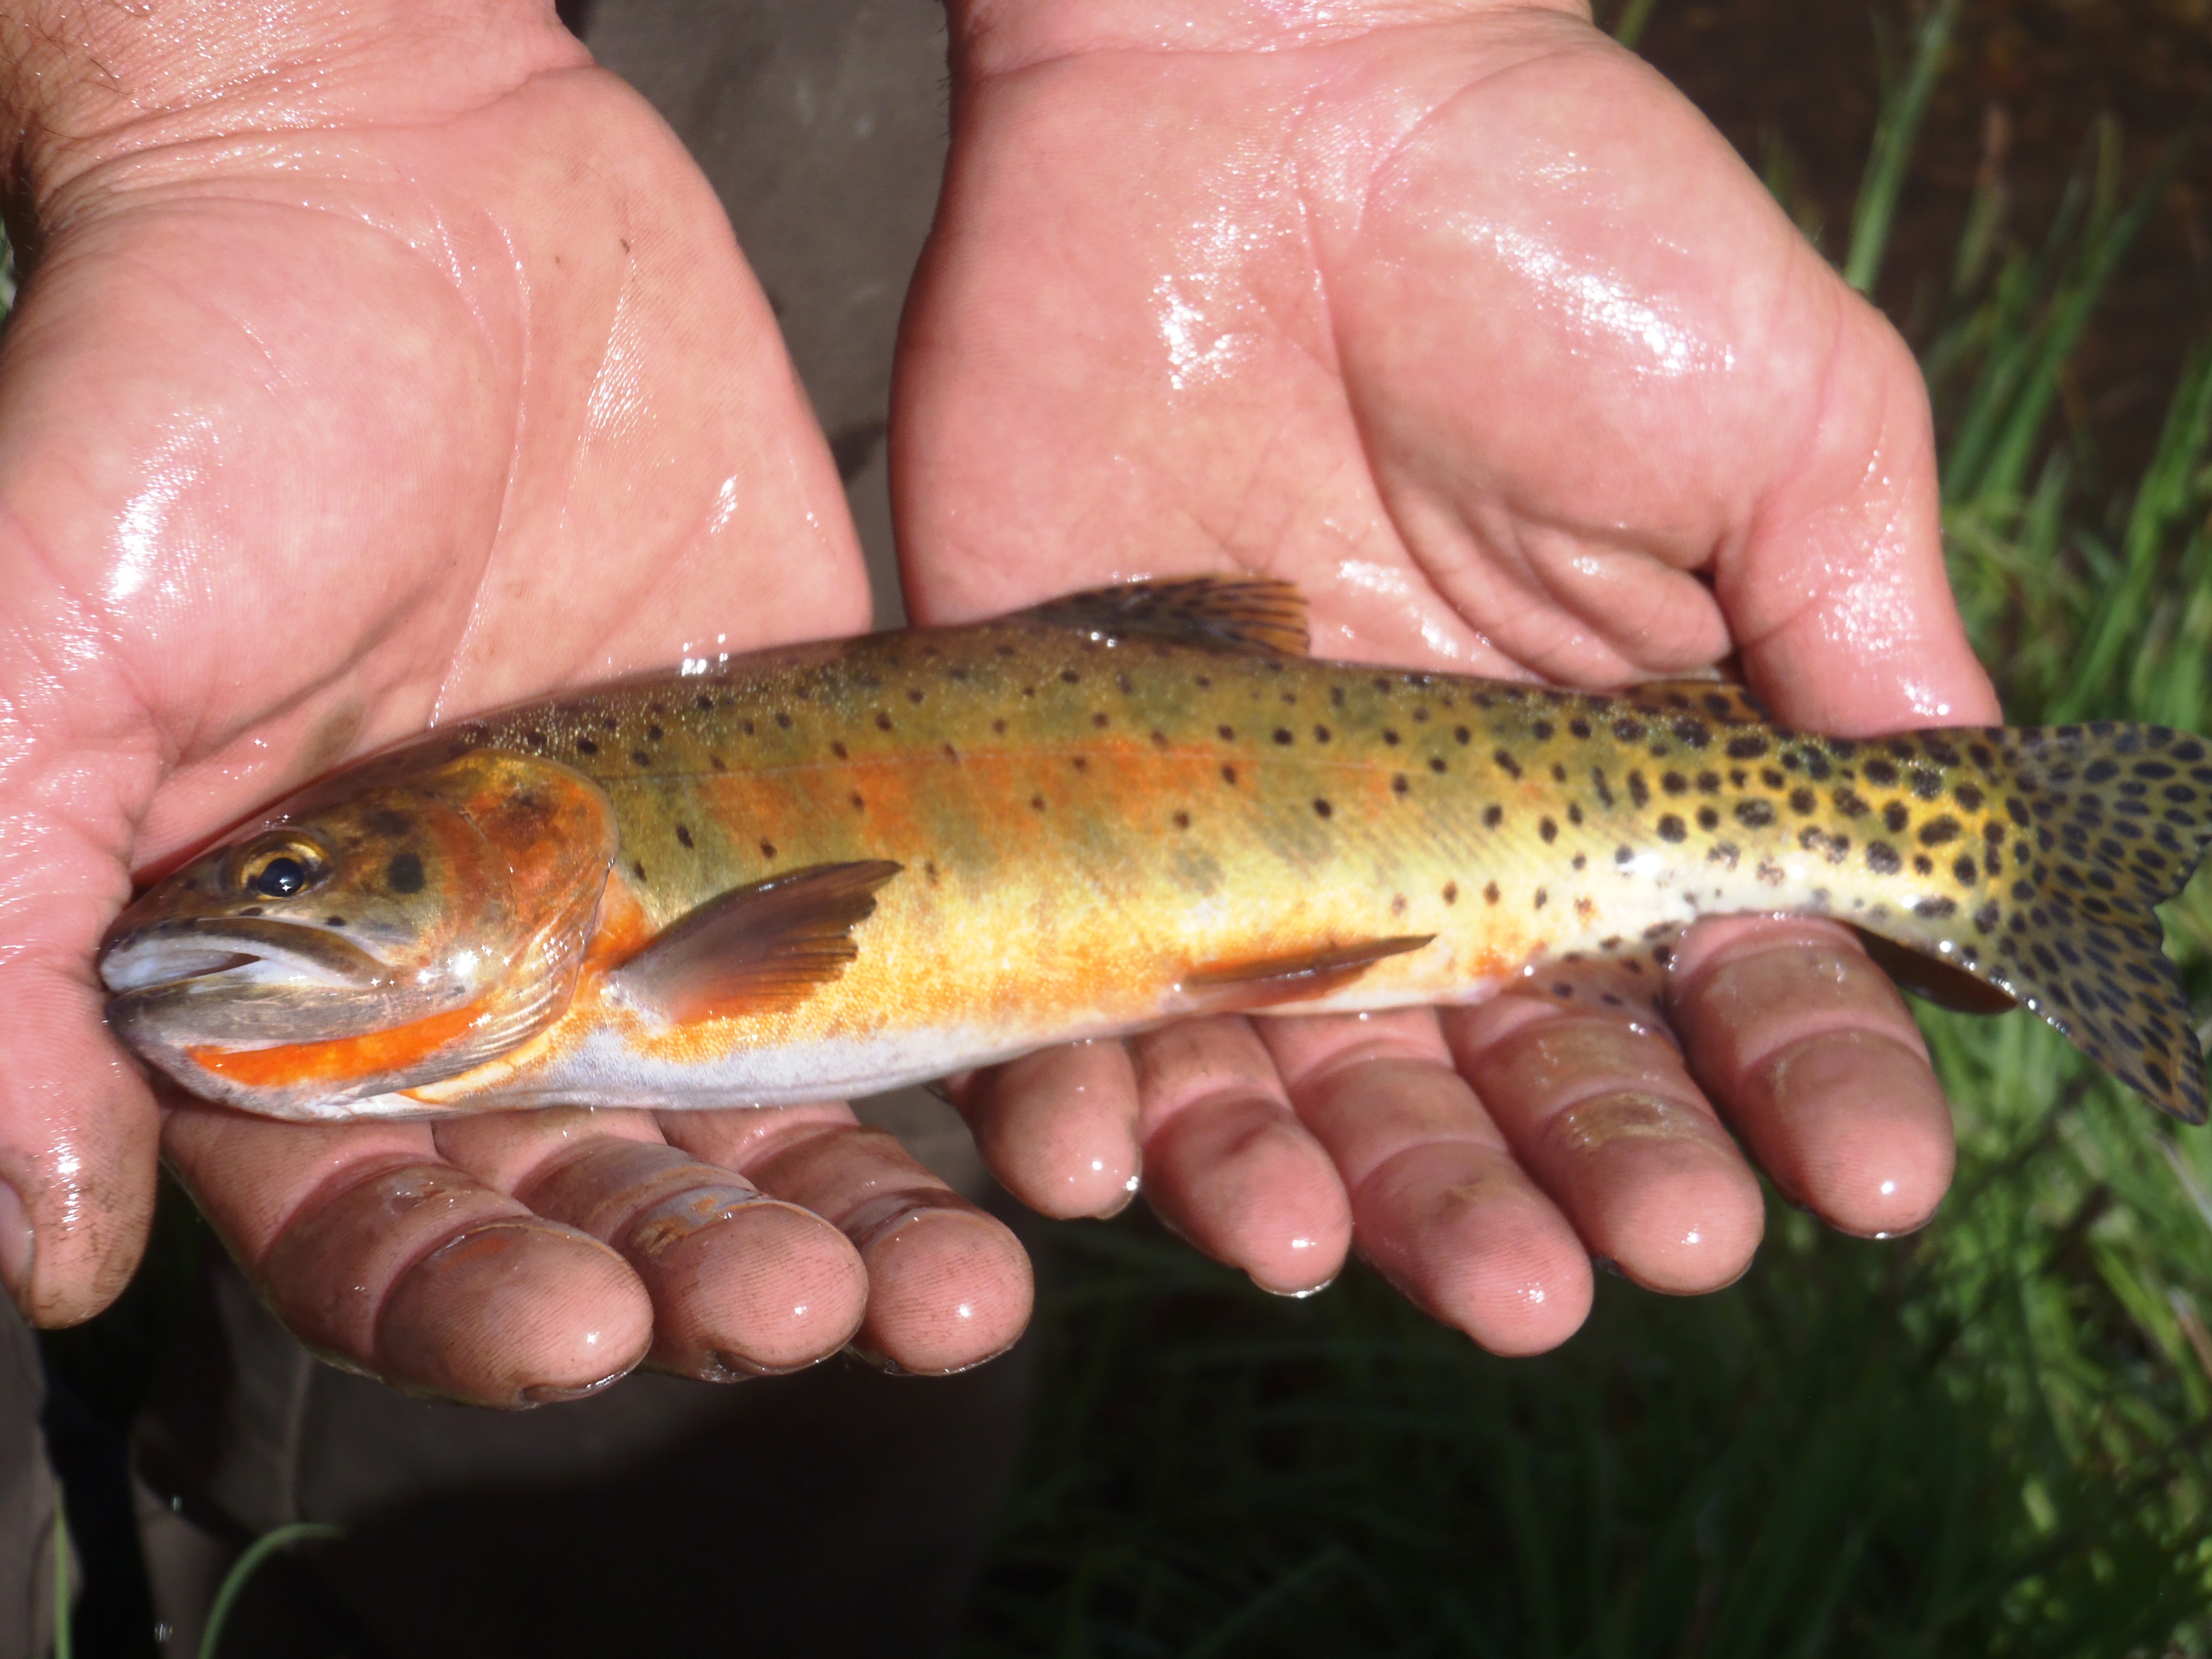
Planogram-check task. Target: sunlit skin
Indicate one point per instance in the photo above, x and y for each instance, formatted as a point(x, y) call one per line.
point(277, 488)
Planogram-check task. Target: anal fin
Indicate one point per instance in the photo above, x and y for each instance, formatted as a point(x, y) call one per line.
point(756, 949)
point(1237, 613)
point(1240, 987)
point(1933, 980)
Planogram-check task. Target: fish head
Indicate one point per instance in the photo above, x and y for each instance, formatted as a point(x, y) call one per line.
point(381, 930)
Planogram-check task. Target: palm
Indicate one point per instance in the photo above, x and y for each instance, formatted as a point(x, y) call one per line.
point(302, 448)
point(1479, 334)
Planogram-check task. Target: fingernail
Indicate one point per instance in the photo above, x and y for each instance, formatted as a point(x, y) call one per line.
point(1129, 1196)
point(18, 1246)
point(550, 1394)
point(1297, 1296)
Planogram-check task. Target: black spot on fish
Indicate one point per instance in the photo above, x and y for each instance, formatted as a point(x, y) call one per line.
point(1507, 765)
point(1639, 791)
point(1398, 784)
point(1936, 831)
point(1673, 783)
point(715, 761)
point(1228, 776)
point(1753, 814)
point(1282, 735)
point(586, 746)
point(1672, 828)
point(682, 836)
point(768, 850)
point(1320, 734)
point(389, 821)
point(637, 869)
point(653, 734)
point(1182, 820)
point(1803, 801)
point(405, 873)
point(783, 719)
point(1896, 817)
point(1451, 892)
point(1881, 773)
point(859, 804)
point(914, 696)
point(1750, 746)
point(1321, 808)
point(1708, 819)
point(1463, 733)
point(1548, 829)
point(1437, 763)
point(838, 750)
point(1390, 737)
point(883, 722)
point(1628, 730)
point(1493, 816)
point(1543, 898)
point(639, 757)
point(1068, 675)
point(1581, 728)
point(334, 921)
point(1882, 857)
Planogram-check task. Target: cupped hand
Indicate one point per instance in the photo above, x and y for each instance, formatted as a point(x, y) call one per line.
point(389, 367)
point(1458, 317)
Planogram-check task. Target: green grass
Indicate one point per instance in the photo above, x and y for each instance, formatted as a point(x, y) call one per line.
point(1994, 1437)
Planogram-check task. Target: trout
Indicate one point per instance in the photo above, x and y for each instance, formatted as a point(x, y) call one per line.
point(833, 869)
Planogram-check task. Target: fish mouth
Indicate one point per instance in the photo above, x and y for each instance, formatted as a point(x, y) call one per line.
point(238, 954)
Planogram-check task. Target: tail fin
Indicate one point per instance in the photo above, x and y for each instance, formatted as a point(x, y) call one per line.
point(2099, 823)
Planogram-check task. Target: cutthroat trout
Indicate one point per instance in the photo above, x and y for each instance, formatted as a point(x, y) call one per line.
point(837, 868)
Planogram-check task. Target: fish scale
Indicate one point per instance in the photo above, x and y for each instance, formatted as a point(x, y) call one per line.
point(1147, 802)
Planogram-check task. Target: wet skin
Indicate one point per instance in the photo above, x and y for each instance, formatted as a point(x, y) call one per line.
point(277, 489)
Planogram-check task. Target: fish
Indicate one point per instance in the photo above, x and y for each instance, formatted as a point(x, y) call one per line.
point(836, 868)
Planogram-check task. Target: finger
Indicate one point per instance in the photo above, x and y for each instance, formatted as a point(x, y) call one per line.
point(741, 1284)
point(1229, 1165)
point(78, 1127)
point(949, 1286)
point(1598, 1107)
point(1809, 1048)
point(1441, 1207)
point(1059, 1127)
point(382, 1256)
point(1837, 595)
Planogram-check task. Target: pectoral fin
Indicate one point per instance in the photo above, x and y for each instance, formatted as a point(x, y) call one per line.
point(1241, 988)
point(757, 949)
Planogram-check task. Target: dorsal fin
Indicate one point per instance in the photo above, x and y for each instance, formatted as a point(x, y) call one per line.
point(1722, 701)
point(757, 948)
point(1237, 613)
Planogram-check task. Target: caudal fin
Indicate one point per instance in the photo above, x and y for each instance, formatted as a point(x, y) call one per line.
point(2099, 823)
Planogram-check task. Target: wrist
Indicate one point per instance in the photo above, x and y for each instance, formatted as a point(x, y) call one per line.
point(992, 36)
point(82, 84)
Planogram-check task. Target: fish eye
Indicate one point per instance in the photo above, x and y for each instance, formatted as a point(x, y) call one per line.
point(281, 872)
point(281, 878)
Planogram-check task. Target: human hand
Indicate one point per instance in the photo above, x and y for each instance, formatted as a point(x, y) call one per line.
point(1458, 317)
point(378, 366)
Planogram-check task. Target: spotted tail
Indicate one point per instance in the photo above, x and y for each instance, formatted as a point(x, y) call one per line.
point(2092, 826)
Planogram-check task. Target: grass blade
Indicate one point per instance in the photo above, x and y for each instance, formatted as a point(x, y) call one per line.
point(1895, 134)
